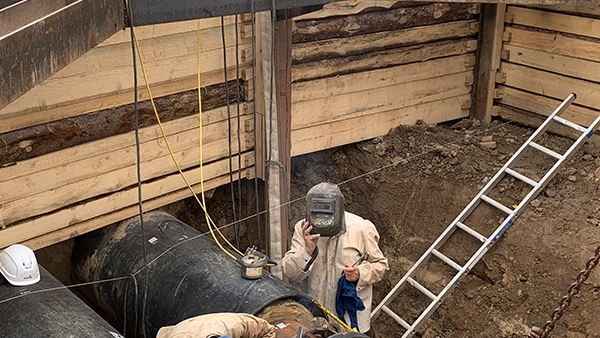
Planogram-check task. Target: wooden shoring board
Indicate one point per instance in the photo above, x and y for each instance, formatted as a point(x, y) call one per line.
point(360, 128)
point(554, 21)
point(550, 84)
point(73, 172)
point(372, 101)
point(66, 90)
point(106, 204)
point(68, 194)
point(543, 106)
point(554, 43)
point(589, 9)
point(345, 7)
point(555, 63)
point(34, 116)
point(110, 144)
point(358, 82)
point(166, 47)
point(332, 67)
point(170, 28)
point(359, 44)
point(83, 227)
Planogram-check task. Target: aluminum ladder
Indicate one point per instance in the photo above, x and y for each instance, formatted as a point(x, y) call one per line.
point(487, 242)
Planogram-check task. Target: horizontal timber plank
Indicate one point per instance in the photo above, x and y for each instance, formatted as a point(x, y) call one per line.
point(358, 82)
point(543, 106)
point(377, 100)
point(11, 118)
point(171, 28)
point(345, 7)
point(550, 84)
point(107, 145)
point(377, 21)
point(377, 60)
point(356, 129)
point(99, 59)
point(582, 8)
point(555, 43)
point(354, 45)
point(555, 21)
point(112, 181)
point(107, 204)
point(83, 227)
point(565, 65)
point(60, 90)
point(68, 173)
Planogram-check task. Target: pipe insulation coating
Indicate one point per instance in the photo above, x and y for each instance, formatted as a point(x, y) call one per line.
point(187, 275)
point(48, 309)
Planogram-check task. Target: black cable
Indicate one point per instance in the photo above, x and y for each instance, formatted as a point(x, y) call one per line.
point(287, 130)
point(228, 125)
point(256, 196)
point(138, 166)
point(239, 131)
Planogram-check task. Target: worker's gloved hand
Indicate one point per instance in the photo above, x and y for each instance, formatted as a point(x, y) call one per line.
point(310, 239)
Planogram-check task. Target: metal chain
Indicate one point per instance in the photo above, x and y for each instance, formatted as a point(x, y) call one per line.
point(566, 300)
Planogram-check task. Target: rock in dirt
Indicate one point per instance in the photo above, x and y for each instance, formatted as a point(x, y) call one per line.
point(535, 203)
point(597, 172)
point(587, 157)
point(592, 149)
point(573, 178)
point(466, 124)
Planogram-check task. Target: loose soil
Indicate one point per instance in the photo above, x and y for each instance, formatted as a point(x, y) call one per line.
point(429, 175)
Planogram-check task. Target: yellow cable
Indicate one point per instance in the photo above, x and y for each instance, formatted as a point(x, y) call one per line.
point(330, 314)
point(169, 145)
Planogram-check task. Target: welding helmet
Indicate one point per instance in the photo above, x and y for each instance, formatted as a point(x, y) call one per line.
point(19, 266)
point(325, 209)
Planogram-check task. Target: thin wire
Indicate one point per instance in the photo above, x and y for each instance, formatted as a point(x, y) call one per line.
point(228, 125)
point(138, 161)
point(250, 217)
point(62, 288)
point(239, 132)
point(256, 196)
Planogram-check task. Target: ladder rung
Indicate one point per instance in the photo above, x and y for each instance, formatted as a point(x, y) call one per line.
point(471, 232)
point(446, 260)
point(496, 204)
point(546, 150)
point(421, 288)
point(396, 317)
point(521, 177)
point(570, 124)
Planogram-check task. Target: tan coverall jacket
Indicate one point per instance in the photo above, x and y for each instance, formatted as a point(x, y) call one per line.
point(236, 325)
point(357, 237)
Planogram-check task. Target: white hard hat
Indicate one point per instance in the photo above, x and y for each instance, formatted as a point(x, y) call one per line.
point(19, 266)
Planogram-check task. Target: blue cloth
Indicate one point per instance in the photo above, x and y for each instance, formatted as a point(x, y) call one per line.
point(347, 300)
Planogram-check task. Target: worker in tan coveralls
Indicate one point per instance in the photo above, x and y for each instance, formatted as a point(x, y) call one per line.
point(234, 325)
point(330, 242)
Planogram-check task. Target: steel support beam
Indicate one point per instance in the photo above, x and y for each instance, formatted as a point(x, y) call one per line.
point(149, 12)
point(49, 38)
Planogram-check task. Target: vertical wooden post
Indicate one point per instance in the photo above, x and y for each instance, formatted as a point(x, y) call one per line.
point(284, 90)
point(276, 77)
point(489, 47)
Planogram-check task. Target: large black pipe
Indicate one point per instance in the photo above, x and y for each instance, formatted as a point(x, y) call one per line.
point(185, 278)
point(48, 309)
